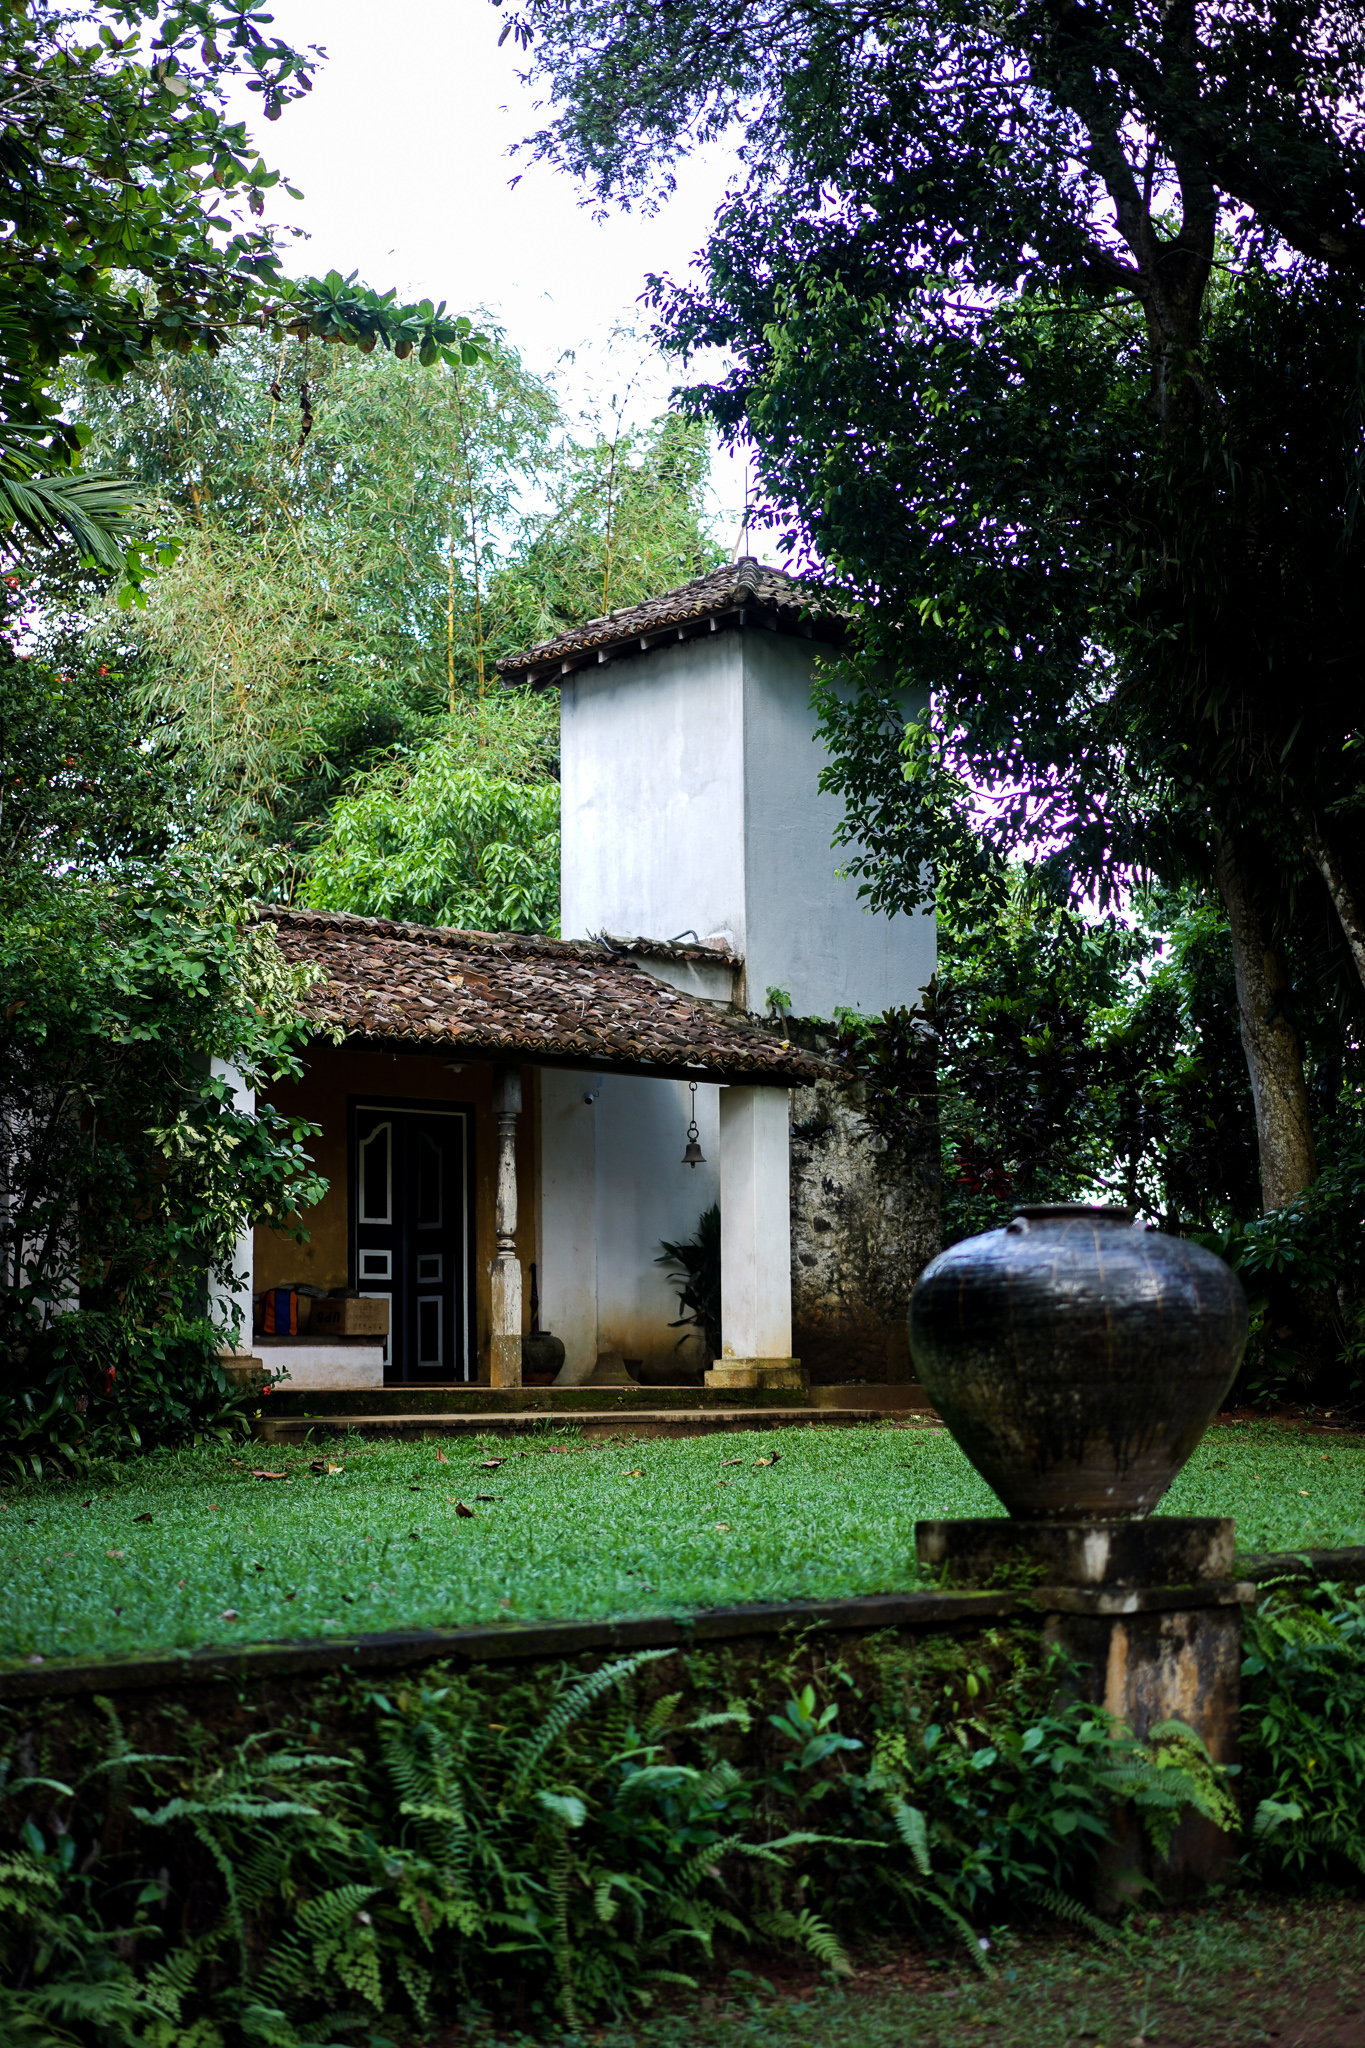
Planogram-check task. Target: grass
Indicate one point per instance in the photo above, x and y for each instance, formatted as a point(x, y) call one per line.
point(181, 1549)
point(1224, 1976)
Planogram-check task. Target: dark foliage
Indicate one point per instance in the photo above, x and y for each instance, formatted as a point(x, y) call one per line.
point(291, 1867)
point(126, 1167)
point(695, 1263)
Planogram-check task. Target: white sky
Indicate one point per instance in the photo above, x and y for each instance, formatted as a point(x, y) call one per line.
point(401, 153)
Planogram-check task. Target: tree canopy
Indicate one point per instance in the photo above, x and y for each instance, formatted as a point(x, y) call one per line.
point(1046, 327)
point(134, 217)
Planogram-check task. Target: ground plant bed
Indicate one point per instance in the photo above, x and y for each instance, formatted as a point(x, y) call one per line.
point(547, 1851)
point(1254, 1968)
point(179, 1550)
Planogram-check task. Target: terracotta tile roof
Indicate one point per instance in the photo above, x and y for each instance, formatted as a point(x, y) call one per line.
point(746, 590)
point(505, 995)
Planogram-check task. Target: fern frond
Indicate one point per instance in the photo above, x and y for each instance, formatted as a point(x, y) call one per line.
point(913, 1830)
point(1064, 1907)
point(810, 1932)
point(569, 1708)
point(332, 1911)
point(660, 1714)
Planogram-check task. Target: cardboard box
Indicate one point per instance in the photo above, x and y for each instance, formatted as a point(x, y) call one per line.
point(364, 1318)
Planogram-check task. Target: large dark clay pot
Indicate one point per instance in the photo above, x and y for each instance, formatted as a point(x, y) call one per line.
point(1077, 1359)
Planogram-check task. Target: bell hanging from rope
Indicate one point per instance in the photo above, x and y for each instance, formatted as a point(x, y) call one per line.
point(692, 1153)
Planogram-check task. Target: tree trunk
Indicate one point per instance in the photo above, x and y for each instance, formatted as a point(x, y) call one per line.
point(1284, 1128)
point(1338, 888)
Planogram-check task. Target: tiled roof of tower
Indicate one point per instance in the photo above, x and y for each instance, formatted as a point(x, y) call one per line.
point(507, 995)
point(744, 593)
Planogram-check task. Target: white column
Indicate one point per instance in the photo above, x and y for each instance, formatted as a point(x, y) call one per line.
point(755, 1241)
point(230, 1290)
point(505, 1359)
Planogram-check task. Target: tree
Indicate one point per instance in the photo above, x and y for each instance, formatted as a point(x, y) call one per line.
point(966, 286)
point(339, 595)
point(465, 832)
point(133, 210)
point(332, 592)
point(126, 1171)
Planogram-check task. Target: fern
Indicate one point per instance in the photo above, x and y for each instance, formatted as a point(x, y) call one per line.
point(810, 1932)
point(914, 1832)
point(569, 1709)
point(660, 1714)
point(1063, 1907)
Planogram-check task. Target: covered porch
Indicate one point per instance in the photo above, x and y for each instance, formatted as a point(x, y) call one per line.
point(503, 1122)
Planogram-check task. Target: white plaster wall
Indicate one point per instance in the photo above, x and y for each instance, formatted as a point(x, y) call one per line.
point(691, 801)
point(806, 930)
point(651, 767)
point(566, 1220)
point(644, 1195)
point(712, 981)
point(612, 1188)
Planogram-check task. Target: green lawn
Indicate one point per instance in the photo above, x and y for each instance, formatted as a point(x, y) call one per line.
point(181, 1549)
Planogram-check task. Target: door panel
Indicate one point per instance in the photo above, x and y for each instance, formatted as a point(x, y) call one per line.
point(410, 1232)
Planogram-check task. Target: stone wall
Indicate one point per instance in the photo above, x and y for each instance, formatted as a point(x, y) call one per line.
point(865, 1223)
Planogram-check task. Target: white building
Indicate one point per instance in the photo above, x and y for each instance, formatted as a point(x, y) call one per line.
point(697, 858)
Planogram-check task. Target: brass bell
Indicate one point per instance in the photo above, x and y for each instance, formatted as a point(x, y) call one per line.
point(692, 1153)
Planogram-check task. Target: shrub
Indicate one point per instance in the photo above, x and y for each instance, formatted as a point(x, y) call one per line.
point(463, 1836)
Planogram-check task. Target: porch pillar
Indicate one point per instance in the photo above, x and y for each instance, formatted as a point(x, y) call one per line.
point(505, 1350)
point(755, 1242)
point(230, 1290)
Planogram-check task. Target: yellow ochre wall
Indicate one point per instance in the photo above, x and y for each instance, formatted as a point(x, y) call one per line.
point(335, 1073)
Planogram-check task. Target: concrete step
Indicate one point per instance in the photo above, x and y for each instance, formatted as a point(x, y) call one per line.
point(598, 1411)
point(464, 1398)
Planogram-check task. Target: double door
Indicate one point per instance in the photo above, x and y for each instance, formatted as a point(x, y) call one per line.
point(410, 1232)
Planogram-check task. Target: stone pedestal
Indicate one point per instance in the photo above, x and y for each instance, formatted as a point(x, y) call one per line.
point(757, 1372)
point(1152, 1616)
point(610, 1371)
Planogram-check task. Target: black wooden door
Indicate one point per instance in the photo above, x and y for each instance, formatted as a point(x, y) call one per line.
point(410, 1232)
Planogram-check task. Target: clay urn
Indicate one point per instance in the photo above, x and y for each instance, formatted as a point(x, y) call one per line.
point(1077, 1358)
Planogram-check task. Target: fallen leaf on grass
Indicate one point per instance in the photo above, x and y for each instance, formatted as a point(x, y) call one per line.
point(142, 1518)
point(773, 1461)
point(732, 1461)
point(113, 1553)
point(462, 1510)
point(488, 1496)
point(723, 1527)
point(1304, 1491)
point(257, 1474)
point(229, 1614)
point(182, 1583)
point(492, 1464)
point(441, 1458)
